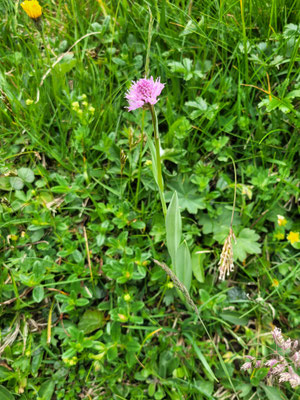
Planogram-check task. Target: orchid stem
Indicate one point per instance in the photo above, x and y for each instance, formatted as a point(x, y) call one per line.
point(159, 178)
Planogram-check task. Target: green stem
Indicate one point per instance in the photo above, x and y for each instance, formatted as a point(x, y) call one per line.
point(160, 182)
point(140, 162)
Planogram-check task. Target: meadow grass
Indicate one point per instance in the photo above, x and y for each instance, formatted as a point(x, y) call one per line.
point(85, 311)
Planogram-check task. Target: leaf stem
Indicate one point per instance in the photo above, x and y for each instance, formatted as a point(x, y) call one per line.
point(234, 196)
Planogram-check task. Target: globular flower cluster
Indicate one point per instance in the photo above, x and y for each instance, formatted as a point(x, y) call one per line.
point(282, 366)
point(143, 93)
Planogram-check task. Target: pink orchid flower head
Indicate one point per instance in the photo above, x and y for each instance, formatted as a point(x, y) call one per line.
point(144, 92)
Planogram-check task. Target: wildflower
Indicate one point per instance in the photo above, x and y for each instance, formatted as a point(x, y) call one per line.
point(277, 336)
point(279, 235)
point(122, 317)
point(91, 110)
point(296, 359)
point(271, 362)
point(143, 92)
point(127, 297)
point(258, 364)
point(275, 282)
point(226, 260)
point(32, 8)
point(247, 365)
point(291, 377)
point(281, 220)
point(293, 237)
point(85, 103)
point(75, 105)
point(28, 102)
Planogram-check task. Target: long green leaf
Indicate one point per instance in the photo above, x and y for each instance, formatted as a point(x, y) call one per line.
point(273, 393)
point(173, 227)
point(183, 265)
point(208, 371)
point(5, 394)
point(153, 157)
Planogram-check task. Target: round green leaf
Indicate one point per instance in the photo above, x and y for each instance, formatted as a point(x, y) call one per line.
point(16, 183)
point(91, 320)
point(38, 294)
point(26, 174)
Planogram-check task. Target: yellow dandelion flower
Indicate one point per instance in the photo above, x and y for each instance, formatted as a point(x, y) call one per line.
point(32, 8)
point(293, 237)
point(281, 220)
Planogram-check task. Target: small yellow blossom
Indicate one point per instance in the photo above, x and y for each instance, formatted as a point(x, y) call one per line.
point(83, 96)
point(32, 8)
point(70, 361)
point(281, 220)
point(28, 102)
point(127, 274)
point(85, 103)
point(275, 282)
point(148, 162)
point(170, 285)
point(122, 317)
point(75, 105)
point(91, 110)
point(293, 237)
point(279, 236)
point(79, 112)
point(127, 297)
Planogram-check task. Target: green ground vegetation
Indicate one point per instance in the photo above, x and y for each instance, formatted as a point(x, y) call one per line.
point(85, 311)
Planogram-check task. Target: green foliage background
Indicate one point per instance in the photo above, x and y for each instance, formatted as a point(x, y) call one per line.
point(85, 312)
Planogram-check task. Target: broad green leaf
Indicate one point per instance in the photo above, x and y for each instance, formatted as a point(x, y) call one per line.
point(173, 226)
point(246, 243)
point(26, 174)
point(5, 394)
point(38, 294)
point(5, 183)
point(16, 183)
point(65, 65)
point(91, 320)
point(183, 265)
point(188, 195)
point(46, 390)
point(273, 393)
point(234, 318)
point(197, 264)
point(259, 375)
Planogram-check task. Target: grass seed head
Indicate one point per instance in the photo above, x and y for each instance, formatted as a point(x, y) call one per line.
point(226, 260)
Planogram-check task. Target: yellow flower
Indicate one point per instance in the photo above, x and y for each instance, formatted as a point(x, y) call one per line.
point(279, 236)
point(293, 237)
point(275, 282)
point(127, 297)
point(32, 8)
point(28, 102)
point(281, 220)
